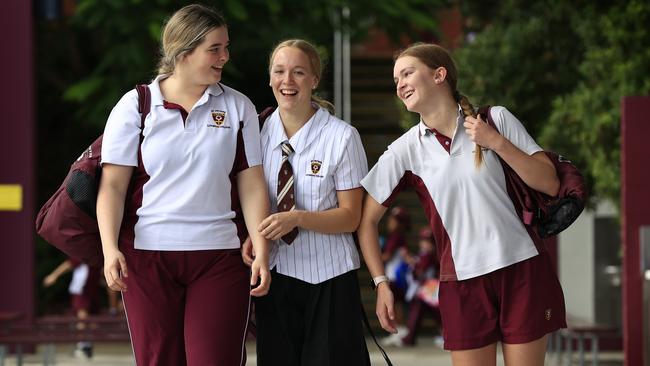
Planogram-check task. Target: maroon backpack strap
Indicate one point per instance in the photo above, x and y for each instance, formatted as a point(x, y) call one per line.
point(484, 112)
point(264, 115)
point(520, 189)
point(144, 102)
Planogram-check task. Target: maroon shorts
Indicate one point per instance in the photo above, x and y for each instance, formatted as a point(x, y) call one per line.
point(516, 304)
point(89, 299)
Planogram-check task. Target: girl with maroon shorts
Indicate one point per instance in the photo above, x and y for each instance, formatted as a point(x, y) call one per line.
point(497, 283)
point(84, 294)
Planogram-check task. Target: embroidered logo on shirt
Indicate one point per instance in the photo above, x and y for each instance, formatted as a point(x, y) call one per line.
point(315, 166)
point(218, 119)
point(547, 314)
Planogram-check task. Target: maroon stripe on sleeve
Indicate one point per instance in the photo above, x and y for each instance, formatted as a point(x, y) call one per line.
point(240, 163)
point(133, 202)
point(398, 188)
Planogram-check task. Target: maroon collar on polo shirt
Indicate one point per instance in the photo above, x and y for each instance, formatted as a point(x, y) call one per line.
point(442, 139)
point(169, 105)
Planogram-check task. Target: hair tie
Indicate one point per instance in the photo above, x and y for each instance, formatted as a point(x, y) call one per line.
point(457, 96)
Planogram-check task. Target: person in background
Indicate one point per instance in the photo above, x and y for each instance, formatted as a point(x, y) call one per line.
point(313, 163)
point(422, 291)
point(396, 268)
point(84, 294)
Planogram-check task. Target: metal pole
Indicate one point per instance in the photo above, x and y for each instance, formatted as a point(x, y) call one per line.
point(338, 88)
point(347, 102)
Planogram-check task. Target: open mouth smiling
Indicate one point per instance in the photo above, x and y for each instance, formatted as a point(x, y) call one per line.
point(288, 92)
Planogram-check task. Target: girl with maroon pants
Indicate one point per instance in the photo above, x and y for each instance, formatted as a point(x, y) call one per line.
point(197, 185)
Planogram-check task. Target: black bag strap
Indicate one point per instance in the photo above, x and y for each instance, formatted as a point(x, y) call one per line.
point(372, 334)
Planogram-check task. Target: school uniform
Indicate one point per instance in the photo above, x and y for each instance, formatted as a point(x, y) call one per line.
point(84, 287)
point(188, 288)
point(475, 227)
point(311, 315)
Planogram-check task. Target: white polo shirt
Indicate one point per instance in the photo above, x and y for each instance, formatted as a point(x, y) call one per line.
point(474, 222)
point(189, 201)
point(328, 157)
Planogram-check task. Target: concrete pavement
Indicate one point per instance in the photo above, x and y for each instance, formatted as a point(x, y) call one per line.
point(425, 353)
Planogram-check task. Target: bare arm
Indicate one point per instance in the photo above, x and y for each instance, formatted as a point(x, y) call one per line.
point(110, 211)
point(369, 242)
point(536, 170)
point(342, 219)
point(62, 268)
point(254, 199)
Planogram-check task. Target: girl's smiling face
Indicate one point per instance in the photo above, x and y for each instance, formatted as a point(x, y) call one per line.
point(292, 78)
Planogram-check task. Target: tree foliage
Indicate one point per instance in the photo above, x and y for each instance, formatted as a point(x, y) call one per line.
point(562, 67)
point(116, 42)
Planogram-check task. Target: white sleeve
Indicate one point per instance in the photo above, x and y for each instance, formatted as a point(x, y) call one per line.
point(122, 132)
point(385, 178)
point(512, 129)
point(251, 135)
point(352, 165)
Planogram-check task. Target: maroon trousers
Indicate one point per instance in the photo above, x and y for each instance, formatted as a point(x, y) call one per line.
point(187, 307)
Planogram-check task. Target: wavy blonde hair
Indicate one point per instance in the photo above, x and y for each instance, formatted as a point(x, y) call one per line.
point(184, 31)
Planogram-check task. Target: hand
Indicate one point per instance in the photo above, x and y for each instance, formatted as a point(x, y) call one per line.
point(278, 224)
point(115, 270)
point(385, 308)
point(49, 280)
point(481, 133)
point(260, 270)
point(248, 252)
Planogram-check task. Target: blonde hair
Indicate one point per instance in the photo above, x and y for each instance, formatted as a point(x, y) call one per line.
point(315, 64)
point(435, 56)
point(184, 31)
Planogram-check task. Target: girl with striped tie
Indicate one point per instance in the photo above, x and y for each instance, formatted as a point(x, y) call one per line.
point(313, 164)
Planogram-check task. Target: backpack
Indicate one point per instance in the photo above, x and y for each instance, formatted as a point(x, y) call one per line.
point(68, 219)
point(546, 215)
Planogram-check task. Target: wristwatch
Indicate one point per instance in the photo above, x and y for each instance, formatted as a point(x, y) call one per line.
point(377, 280)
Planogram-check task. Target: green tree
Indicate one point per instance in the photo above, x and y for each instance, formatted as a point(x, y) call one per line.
point(119, 39)
point(616, 61)
point(562, 68)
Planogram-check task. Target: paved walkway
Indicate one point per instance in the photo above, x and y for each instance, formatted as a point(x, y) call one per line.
point(425, 353)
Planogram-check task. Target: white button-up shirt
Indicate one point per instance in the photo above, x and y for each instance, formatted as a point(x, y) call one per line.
point(328, 157)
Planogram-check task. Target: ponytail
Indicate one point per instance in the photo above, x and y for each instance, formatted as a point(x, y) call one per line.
point(323, 103)
point(468, 110)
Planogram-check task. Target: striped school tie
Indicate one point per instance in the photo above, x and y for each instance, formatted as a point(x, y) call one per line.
point(286, 201)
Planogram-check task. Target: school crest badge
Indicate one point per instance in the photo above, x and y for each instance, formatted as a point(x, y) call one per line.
point(315, 166)
point(218, 117)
